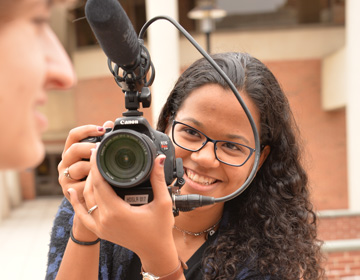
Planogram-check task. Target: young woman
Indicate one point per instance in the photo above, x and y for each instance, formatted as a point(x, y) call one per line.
point(268, 232)
point(32, 62)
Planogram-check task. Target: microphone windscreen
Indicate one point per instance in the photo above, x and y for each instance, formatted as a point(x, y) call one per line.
point(114, 31)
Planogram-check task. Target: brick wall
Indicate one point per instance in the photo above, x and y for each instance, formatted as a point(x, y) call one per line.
point(343, 227)
point(343, 265)
point(100, 99)
point(323, 133)
point(341, 232)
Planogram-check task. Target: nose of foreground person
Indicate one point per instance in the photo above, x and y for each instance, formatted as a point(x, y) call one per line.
point(60, 72)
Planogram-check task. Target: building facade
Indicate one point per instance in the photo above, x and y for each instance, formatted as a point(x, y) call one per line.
point(306, 44)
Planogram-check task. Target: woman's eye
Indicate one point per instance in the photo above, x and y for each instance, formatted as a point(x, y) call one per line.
point(233, 147)
point(40, 21)
point(192, 132)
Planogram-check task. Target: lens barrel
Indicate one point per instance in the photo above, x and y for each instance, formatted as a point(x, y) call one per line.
point(125, 158)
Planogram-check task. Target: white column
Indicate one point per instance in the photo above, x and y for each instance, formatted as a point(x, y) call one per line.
point(353, 101)
point(163, 45)
point(12, 183)
point(4, 199)
point(10, 192)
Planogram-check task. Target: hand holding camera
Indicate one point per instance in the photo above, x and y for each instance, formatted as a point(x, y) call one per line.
point(139, 229)
point(126, 156)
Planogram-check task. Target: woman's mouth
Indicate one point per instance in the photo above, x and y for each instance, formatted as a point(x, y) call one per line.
point(199, 179)
point(41, 121)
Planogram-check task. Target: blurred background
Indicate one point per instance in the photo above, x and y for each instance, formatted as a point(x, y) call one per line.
point(310, 45)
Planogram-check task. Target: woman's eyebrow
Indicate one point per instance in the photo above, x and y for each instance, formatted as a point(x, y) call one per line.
point(233, 137)
point(238, 137)
point(194, 121)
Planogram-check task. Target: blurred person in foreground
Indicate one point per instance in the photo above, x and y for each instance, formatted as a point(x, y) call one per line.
point(32, 62)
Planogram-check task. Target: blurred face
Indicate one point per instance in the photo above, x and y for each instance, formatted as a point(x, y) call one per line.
point(32, 62)
point(215, 112)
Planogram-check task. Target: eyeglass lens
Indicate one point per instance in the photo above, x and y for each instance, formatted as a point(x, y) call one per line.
point(192, 139)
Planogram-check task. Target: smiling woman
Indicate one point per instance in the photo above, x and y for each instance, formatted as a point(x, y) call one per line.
point(33, 62)
point(266, 233)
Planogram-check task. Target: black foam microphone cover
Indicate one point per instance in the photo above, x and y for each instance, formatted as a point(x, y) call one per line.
point(114, 31)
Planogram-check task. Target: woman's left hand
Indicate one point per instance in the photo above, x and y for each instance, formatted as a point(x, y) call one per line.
point(145, 229)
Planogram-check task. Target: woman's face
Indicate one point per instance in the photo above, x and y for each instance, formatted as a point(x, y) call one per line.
point(216, 113)
point(32, 62)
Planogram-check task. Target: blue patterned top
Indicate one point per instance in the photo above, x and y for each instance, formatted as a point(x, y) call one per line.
point(114, 259)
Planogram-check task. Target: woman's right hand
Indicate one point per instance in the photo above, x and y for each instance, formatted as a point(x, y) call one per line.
point(75, 157)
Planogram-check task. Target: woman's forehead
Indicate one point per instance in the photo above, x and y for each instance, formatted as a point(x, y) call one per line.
point(214, 102)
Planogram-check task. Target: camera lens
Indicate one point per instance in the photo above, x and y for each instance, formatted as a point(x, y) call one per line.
point(125, 158)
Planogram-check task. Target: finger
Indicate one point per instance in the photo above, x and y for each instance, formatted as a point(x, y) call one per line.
point(73, 161)
point(81, 211)
point(67, 183)
point(77, 151)
point(108, 124)
point(77, 186)
point(157, 178)
point(78, 170)
point(89, 193)
point(79, 133)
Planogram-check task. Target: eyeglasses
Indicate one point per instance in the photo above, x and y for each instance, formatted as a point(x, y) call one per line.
point(191, 139)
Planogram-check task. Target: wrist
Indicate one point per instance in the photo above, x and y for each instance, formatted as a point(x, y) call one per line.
point(160, 260)
point(81, 242)
point(81, 232)
point(173, 275)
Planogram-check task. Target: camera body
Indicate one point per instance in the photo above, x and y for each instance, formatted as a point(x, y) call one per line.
point(126, 154)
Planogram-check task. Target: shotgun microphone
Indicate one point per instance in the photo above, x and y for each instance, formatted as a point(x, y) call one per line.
point(114, 32)
point(118, 39)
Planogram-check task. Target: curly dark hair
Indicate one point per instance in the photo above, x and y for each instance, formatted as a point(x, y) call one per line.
point(272, 225)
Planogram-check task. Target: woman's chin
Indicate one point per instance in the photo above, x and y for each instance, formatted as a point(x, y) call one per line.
point(32, 157)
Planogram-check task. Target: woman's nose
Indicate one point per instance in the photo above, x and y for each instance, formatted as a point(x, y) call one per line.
point(60, 72)
point(206, 156)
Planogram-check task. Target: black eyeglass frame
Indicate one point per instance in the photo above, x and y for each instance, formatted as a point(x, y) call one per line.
point(208, 139)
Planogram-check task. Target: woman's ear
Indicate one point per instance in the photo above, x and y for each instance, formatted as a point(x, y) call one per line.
point(263, 156)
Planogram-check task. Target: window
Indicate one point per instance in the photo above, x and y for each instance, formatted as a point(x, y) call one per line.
point(241, 14)
point(280, 13)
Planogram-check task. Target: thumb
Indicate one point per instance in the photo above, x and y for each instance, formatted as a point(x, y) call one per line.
point(157, 178)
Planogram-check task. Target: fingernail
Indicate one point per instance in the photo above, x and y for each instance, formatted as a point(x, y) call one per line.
point(100, 128)
point(162, 160)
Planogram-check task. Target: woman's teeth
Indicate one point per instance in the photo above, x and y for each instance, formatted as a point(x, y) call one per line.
point(199, 178)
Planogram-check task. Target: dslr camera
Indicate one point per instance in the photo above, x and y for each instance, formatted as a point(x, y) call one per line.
point(126, 154)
